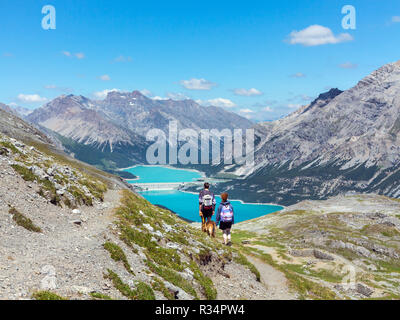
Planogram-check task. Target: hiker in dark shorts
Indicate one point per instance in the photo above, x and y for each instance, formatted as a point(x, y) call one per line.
point(206, 203)
point(225, 218)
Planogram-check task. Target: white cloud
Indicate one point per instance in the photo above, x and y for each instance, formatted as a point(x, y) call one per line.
point(122, 58)
point(246, 111)
point(159, 98)
point(103, 94)
point(197, 84)
point(66, 53)
point(348, 65)
point(80, 55)
point(317, 35)
point(105, 77)
point(218, 102)
point(169, 95)
point(30, 98)
point(298, 75)
point(267, 109)
point(248, 92)
point(177, 96)
point(57, 88)
point(396, 19)
point(146, 92)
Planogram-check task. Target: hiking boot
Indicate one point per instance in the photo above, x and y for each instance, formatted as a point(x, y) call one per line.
point(229, 244)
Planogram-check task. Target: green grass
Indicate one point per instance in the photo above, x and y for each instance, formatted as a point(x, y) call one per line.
point(23, 221)
point(165, 257)
point(25, 173)
point(93, 172)
point(321, 274)
point(117, 254)
point(238, 236)
point(47, 295)
point(386, 231)
point(93, 178)
point(241, 259)
point(307, 289)
point(391, 266)
point(144, 292)
point(141, 292)
point(47, 189)
point(172, 277)
point(120, 285)
point(80, 197)
point(269, 243)
point(206, 283)
point(100, 296)
point(166, 263)
point(159, 285)
point(9, 146)
point(97, 189)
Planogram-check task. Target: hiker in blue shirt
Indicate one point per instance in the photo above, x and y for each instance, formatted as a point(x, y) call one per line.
point(225, 218)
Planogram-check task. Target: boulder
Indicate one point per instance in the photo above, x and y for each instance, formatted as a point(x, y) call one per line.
point(364, 290)
point(302, 253)
point(322, 255)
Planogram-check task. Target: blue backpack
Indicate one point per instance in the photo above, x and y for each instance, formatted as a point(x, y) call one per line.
point(226, 213)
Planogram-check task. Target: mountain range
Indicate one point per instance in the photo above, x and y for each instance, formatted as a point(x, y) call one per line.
point(342, 142)
point(111, 133)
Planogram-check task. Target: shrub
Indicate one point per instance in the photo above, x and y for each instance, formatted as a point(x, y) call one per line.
point(117, 254)
point(47, 295)
point(23, 221)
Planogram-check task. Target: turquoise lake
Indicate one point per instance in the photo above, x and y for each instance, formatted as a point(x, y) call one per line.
point(186, 204)
point(155, 174)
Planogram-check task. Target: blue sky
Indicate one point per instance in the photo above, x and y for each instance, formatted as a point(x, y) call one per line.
point(252, 57)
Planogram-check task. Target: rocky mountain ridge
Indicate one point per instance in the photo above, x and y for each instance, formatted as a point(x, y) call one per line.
point(111, 133)
point(342, 142)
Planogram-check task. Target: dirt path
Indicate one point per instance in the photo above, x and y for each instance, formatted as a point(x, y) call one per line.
point(274, 280)
point(67, 256)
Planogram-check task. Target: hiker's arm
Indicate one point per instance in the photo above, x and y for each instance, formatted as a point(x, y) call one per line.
point(233, 215)
point(200, 203)
point(218, 215)
point(214, 204)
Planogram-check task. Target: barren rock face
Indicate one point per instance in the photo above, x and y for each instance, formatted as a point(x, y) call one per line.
point(342, 141)
point(343, 244)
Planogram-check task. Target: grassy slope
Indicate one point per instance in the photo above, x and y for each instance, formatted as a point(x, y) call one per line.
point(277, 235)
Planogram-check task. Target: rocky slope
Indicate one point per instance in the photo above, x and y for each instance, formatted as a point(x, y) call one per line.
point(342, 142)
point(70, 231)
point(16, 110)
point(341, 248)
point(14, 126)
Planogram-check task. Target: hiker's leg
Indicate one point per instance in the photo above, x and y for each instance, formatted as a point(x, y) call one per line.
point(225, 238)
point(228, 235)
point(225, 235)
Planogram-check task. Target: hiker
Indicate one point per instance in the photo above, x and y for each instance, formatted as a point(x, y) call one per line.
point(225, 218)
point(206, 203)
